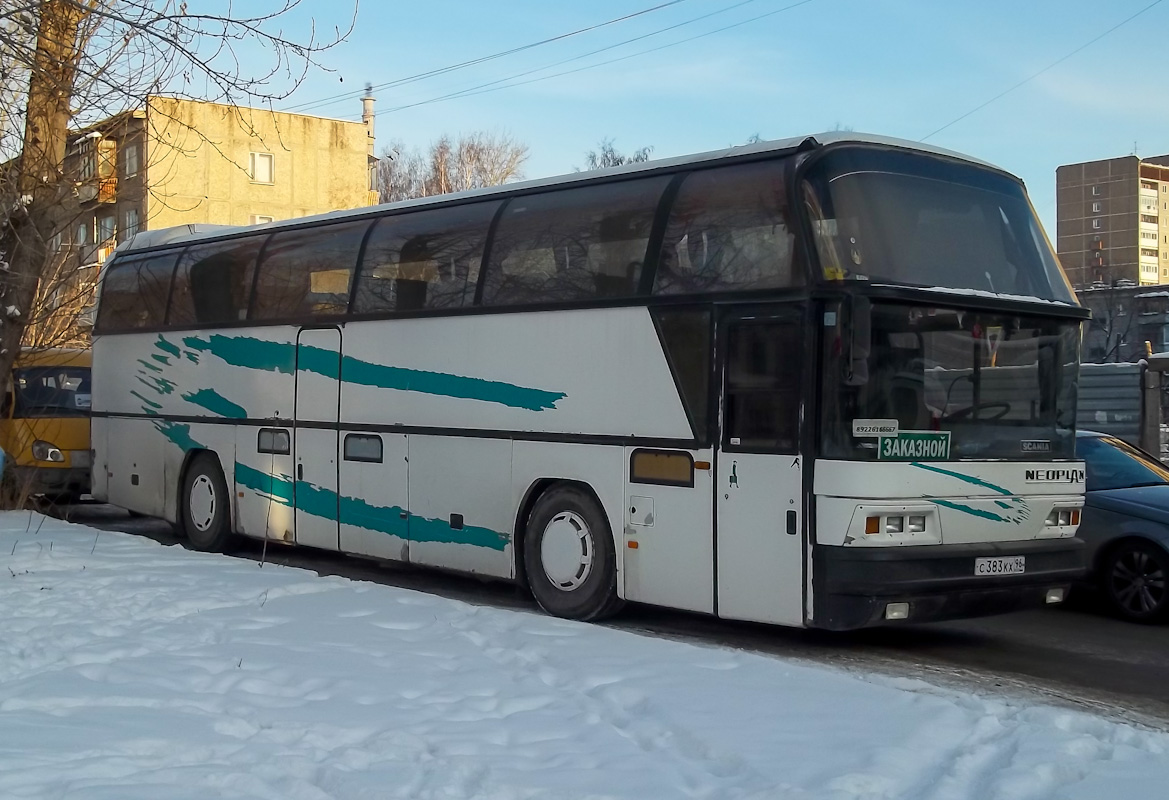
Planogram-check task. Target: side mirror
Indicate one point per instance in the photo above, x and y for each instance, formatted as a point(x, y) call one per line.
point(860, 332)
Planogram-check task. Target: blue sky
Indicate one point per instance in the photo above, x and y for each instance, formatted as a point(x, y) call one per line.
point(895, 67)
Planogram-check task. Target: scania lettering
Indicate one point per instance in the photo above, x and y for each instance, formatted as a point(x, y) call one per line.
point(791, 382)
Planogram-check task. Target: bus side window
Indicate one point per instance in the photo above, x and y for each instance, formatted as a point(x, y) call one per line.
point(573, 244)
point(213, 282)
point(134, 292)
point(729, 229)
point(307, 271)
point(426, 259)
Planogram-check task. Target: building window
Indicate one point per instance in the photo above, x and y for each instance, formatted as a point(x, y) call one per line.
point(106, 228)
point(130, 160)
point(82, 237)
point(132, 222)
point(260, 168)
point(1095, 191)
point(1096, 224)
point(1096, 208)
point(258, 219)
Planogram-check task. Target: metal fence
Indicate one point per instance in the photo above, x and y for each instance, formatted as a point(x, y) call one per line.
point(1110, 400)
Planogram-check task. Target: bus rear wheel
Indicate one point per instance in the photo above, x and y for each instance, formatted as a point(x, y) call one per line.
point(205, 516)
point(569, 556)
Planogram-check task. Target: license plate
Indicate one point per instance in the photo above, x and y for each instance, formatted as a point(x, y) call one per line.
point(1010, 565)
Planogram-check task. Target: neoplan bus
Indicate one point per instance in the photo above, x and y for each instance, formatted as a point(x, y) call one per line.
point(827, 381)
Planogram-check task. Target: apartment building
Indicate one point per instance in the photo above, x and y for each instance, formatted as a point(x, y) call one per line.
point(1112, 221)
point(182, 161)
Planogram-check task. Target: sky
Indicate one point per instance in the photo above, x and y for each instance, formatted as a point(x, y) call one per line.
point(899, 68)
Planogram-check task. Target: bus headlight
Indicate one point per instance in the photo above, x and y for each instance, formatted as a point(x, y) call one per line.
point(1063, 517)
point(46, 451)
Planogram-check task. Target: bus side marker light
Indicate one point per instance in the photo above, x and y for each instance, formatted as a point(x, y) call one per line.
point(701, 465)
point(897, 611)
point(872, 524)
point(631, 545)
point(1075, 516)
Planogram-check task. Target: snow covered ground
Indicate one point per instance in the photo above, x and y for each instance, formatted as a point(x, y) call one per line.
point(133, 670)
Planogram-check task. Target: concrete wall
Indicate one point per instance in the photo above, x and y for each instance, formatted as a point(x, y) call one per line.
point(198, 164)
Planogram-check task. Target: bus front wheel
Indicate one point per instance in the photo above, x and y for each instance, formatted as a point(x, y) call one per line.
point(206, 519)
point(569, 556)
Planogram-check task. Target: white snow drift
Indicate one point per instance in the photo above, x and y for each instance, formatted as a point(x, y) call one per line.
point(132, 670)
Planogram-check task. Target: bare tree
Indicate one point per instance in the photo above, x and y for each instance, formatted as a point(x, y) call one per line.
point(65, 64)
point(606, 155)
point(477, 160)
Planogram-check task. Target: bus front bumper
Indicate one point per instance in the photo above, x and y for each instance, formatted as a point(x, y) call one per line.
point(854, 586)
point(50, 480)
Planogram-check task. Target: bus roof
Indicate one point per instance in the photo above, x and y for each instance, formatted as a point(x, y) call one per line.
point(189, 233)
point(54, 357)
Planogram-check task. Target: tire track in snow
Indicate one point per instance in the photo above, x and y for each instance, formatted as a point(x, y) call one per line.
point(625, 711)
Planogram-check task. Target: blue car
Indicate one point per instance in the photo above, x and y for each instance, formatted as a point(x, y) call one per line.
point(1126, 525)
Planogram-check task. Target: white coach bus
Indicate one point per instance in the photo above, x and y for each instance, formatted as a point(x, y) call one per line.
point(825, 382)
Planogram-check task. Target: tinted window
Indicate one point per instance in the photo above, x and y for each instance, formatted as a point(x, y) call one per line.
point(134, 292)
point(685, 335)
point(1111, 463)
point(213, 282)
point(428, 259)
point(573, 244)
point(306, 272)
point(52, 392)
point(273, 440)
point(729, 228)
point(910, 218)
point(363, 447)
point(763, 385)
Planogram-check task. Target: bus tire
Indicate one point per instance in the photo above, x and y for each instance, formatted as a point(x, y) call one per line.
point(206, 518)
point(569, 556)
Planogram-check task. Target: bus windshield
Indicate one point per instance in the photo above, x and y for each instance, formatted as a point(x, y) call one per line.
point(899, 217)
point(1002, 386)
point(52, 391)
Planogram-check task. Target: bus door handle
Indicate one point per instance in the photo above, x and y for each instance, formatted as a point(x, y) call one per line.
point(791, 523)
point(300, 472)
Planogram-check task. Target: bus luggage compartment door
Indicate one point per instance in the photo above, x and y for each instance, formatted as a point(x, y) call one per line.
point(318, 381)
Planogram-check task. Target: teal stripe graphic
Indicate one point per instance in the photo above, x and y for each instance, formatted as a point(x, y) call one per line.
point(354, 511)
point(216, 403)
point(1016, 508)
point(251, 353)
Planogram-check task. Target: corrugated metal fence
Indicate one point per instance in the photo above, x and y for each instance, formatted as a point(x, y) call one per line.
point(1110, 400)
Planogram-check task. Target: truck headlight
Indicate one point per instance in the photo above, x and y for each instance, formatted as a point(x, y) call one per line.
point(46, 451)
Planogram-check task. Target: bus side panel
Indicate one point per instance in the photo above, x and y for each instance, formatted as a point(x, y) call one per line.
point(460, 510)
point(99, 483)
point(600, 467)
point(263, 487)
point(133, 458)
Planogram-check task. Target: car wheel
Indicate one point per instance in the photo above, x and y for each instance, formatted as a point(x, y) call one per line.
point(206, 520)
point(1136, 581)
point(569, 556)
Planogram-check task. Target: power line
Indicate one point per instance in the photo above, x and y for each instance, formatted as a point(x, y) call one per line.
point(493, 87)
point(1050, 66)
point(326, 101)
point(475, 89)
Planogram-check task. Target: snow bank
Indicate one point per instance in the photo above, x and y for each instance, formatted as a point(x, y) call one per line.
point(132, 670)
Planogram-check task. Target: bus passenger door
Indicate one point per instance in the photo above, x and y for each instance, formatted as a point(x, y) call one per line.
point(760, 540)
point(318, 371)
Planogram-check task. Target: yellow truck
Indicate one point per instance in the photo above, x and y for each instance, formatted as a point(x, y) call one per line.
point(44, 424)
